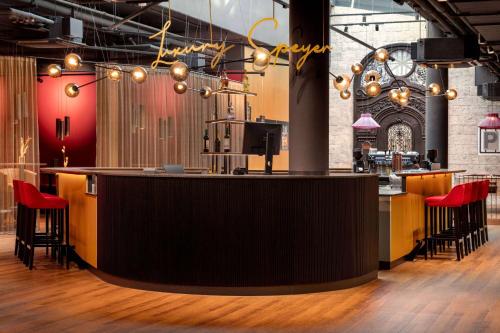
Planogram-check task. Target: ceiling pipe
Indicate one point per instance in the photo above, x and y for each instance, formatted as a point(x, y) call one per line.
point(66, 8)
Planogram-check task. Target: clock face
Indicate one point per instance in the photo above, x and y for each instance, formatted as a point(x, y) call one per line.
point(402, 65)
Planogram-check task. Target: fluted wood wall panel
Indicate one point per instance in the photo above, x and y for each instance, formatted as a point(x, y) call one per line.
point(237, 232)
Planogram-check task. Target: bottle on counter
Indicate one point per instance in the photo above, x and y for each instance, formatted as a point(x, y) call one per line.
point(248, 112)
point(227, 139)
point(206, 141)
point(217, 145)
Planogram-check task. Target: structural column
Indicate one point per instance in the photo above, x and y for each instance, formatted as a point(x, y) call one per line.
point(309, 94)
point(436, 109)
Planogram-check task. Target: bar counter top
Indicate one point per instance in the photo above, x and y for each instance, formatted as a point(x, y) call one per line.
point(409, 173)
point(189, 173)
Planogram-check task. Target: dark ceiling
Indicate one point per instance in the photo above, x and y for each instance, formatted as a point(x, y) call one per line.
point(480, 19)
point(23, 21)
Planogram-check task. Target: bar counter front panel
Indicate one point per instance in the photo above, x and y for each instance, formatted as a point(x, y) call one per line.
point(236, 234)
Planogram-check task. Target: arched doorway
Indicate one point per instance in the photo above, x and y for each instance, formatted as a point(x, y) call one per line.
point(387, 114)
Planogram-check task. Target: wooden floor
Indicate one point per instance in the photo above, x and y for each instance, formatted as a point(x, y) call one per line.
point(439, 295)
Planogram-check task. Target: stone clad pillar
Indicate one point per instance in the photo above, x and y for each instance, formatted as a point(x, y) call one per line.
point(309, 94)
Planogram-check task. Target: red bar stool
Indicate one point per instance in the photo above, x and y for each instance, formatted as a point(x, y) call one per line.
point(474, 215)
point(33, 200)
point(19, 244)
point(453, 203)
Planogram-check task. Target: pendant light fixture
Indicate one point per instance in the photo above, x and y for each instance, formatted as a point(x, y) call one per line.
point(434, 89)
point(180, 87)
point(404, 92)
point(491, 122)
point(66, 126)
point(54, 70)
point(394, 95)
point(72, 61)
point(179, 71)
point(381, 55)
point(345, 94)
point(71, 90)
point(450, 94)
point(373, 89)
point(139, 74)
point(206, 92)
point(365, 122)
point(342, 82)
point(261, 58)
point(357, 69)
point(114, 73)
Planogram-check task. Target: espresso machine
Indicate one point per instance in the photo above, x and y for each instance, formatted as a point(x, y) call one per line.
point(358, 165)
point(431, 163)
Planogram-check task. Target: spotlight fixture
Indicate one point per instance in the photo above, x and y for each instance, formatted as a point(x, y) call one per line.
point(71, 90)
point(261, 57)
point(139, 74)
point(179, 71)
point(403, 101)
point(381, 55)
point(404, 92)
point(114, 73)
point(206, 92)
point(357, 68)
point(434, 89)
point(346, 29)
point(372, 76)
point(373, 89)
point(180, 87)
point(342, 82)
point(345, 94)
point(54, 70)
point(72, 61)
point(376, 27)
point(450, 94)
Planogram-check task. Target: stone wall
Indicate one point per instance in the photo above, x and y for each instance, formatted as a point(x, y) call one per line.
point(464, 114)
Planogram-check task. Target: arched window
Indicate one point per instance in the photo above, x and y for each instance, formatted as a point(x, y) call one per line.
point(400, 138)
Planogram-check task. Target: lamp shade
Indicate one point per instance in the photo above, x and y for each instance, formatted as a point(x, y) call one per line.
point(365, 122)
point(490, 122)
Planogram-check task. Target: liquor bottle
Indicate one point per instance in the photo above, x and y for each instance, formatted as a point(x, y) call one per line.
point(248, 112)
point(227, 139)
point(230, 110)
point(217, 145)
point(206, 142)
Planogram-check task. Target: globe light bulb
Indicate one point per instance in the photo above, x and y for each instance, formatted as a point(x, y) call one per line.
point(54, 70)
point(403, 101)
point(451, 94)
point(71, 90)
point(357, 69)
point(72, 61)
point(114, 73)
point(394, 95)
point(434, 89)
point(381, 55)
point(179, 71)
point(404, 92)
point(261, 57)
point(345, 94)
point(342, 82)
point(139, 74)
point(206, 92)
point(373, 89)
point(180, 87)
point(372, 76)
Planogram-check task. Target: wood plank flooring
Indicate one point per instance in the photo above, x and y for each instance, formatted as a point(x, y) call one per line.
point(439, 295)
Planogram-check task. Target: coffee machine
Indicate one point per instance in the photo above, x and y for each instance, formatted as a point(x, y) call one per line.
point(431, 163)
point(358, 165)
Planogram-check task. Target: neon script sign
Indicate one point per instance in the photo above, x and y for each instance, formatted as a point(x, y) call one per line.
point(221, 48)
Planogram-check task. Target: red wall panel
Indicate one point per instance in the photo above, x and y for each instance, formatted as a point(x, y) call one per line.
point(52, 104)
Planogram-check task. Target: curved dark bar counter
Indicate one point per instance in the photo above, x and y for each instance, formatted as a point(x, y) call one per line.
point(241, 235)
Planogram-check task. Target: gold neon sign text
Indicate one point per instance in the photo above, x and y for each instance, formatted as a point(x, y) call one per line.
point(285, 48)
point(222, 48)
